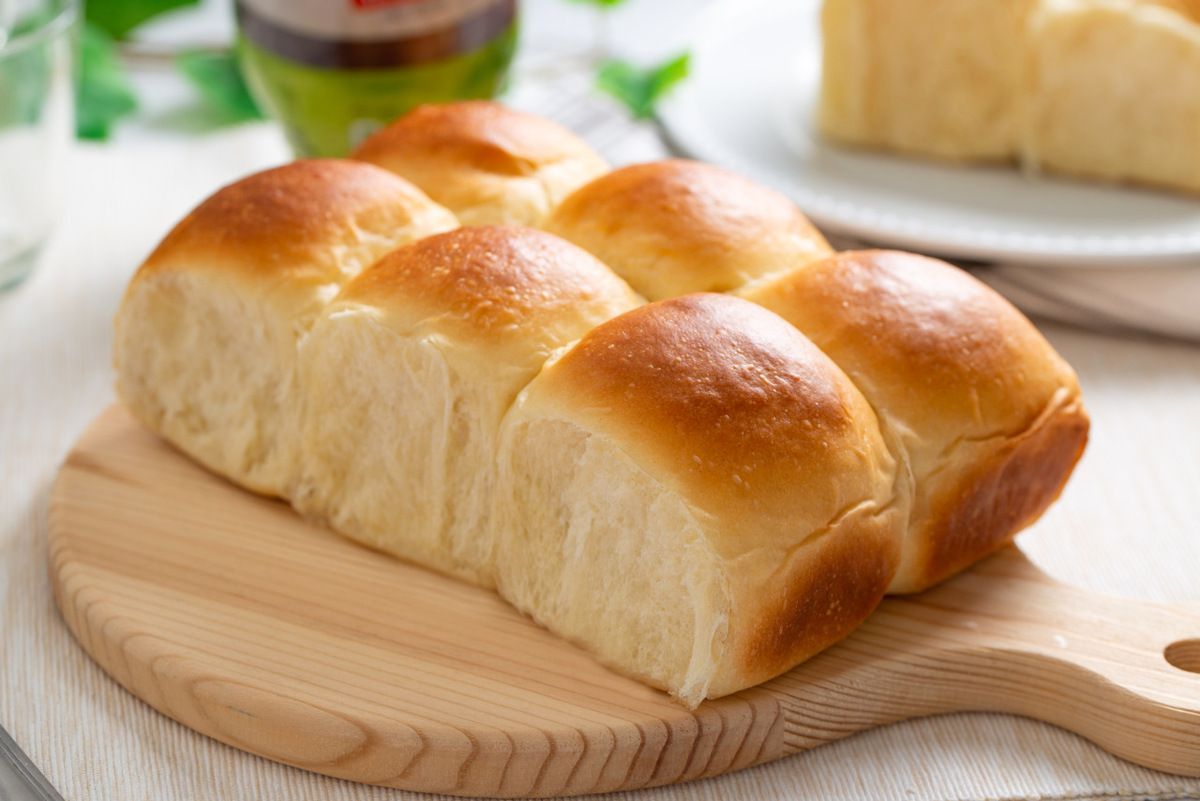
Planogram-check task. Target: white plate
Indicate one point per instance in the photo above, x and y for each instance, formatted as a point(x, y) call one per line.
point(749, 105)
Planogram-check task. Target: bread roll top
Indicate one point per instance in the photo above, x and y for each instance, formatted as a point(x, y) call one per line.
point(410, 370)
point(507, 293)
point(487, 163)
point(984, 414)
point(206, 337)
point(677, 226)
point(940, 352)
point(699, 495)
point(309, 221)
point(738, 411)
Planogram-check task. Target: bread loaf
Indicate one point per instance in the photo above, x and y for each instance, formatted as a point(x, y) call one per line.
point(691, 489)
point(1115, 91)
point(1104, 89)
point(677, 226)
point(409, 370)
point(486, 163)
point(932, 77)
point(205, 342)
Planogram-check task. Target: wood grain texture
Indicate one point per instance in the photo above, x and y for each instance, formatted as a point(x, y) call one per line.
point(229, 614)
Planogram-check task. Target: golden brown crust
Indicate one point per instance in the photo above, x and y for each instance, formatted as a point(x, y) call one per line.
point(983, 510)
point(934, 343)
point(302, 219)
point(772, 448)
point(735, 406)
point(1189, 9)
point(472, 156)
point(480, 134)
point(958, 378)
point(677, 226)
point(492, 285)
point(830, 589)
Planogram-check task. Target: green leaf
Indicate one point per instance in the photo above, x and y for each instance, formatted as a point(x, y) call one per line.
point(604, 4)
point(219, 80)
point(103, 94)
point(640, 89)
point(118, 17)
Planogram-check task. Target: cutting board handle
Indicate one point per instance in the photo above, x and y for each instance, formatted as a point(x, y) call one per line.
point(1006, 637)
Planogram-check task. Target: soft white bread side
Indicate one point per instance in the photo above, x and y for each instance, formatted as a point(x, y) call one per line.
point(984, 417)
point(1115, 91)
point(677, 226)
point(697, 495)
point(408, 372)
point(487, 163)
point(1096, 88)
point(936, 77)
point(205, 341)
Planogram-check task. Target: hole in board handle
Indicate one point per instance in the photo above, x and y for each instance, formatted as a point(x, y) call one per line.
point(1184, 654)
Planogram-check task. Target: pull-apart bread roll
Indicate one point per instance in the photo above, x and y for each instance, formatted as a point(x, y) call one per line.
point(937, 77)
point(696, 494)
point(702, 491)
point(1096, 88)
point(1115, 90)
point(677, 226)
point(206, 335)
point(487, 163)
point(985, 418)
point(409, 371)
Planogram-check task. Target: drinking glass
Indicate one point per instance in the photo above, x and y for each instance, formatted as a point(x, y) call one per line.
point(36, 126)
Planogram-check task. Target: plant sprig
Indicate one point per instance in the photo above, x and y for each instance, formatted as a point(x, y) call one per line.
point(641, 89)
point(218, 78)
point(103, 94)
point(118, 18)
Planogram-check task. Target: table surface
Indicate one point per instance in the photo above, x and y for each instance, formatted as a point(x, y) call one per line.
point(1125, 526)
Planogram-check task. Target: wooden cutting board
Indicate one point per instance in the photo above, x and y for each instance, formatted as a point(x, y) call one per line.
point(228, 613)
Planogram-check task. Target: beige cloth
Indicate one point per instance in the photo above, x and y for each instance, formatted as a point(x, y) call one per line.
point(1127, 525)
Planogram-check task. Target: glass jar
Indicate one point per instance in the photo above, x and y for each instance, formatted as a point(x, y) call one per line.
point(333, 71)
point(36, 126)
